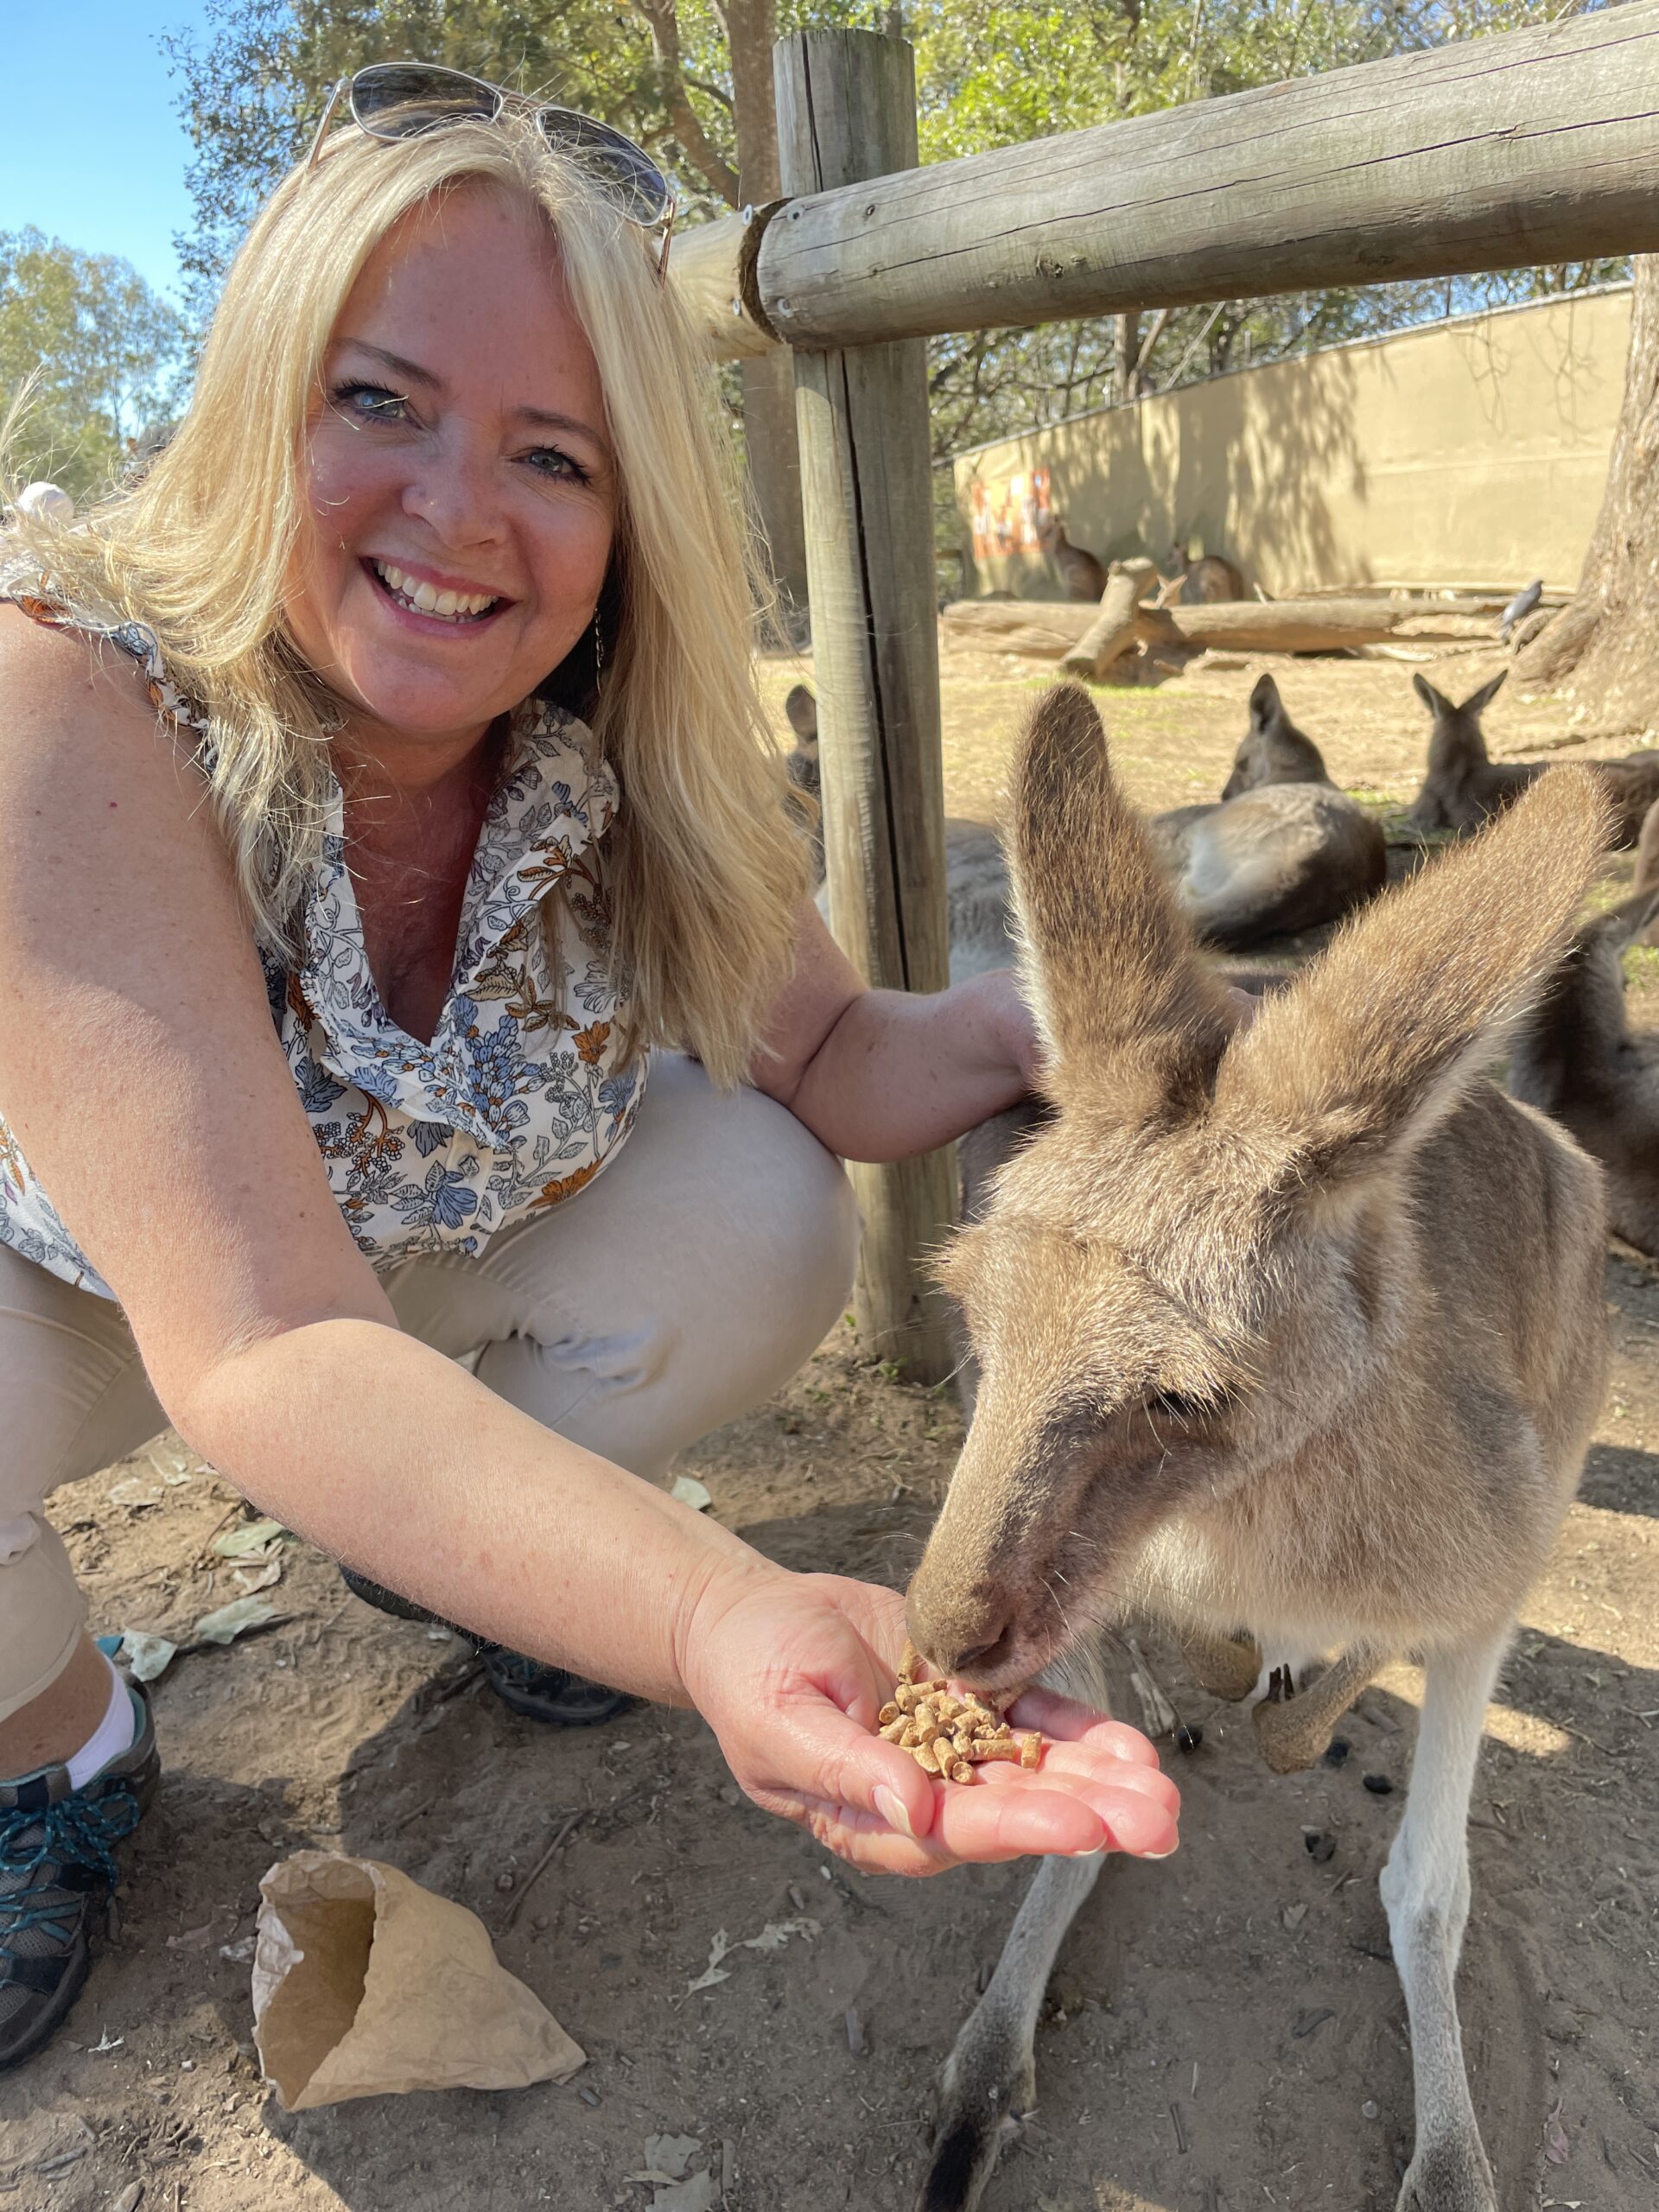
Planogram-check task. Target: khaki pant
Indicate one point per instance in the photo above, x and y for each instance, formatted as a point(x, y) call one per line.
point(682, 1287)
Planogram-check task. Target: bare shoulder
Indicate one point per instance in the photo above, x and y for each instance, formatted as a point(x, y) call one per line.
point(139, 1067)
point(43, 668)
point(90, 769)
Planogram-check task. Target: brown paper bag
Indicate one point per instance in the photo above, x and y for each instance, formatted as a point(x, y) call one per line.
point(365, 1984)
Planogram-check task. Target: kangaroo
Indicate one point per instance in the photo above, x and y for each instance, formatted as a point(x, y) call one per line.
point(1289, 1337)
point(1206, 580)
point(1273, 750)
point(1576, 1059)
point(1283, 849)
point(1079, 572)
point(976, 878)
point(1463, 787)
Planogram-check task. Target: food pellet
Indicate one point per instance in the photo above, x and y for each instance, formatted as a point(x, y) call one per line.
point(947, 1734)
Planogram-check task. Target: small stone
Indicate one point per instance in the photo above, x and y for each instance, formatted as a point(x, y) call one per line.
point(130, 2198)
point(505, 1883)
point(1319, 1845)
point(1379, 1785)
point(1188, 1739)
point(1367, 2110)
point(1336, 1752)
point(857, 2042)
point(588, 2096)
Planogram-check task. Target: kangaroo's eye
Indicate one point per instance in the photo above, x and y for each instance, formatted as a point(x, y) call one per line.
point(1177, 1405)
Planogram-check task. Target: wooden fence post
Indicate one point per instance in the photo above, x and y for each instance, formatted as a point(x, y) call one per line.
point(846, 110)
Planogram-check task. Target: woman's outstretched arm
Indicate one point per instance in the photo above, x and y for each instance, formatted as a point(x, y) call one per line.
point(883, 1075)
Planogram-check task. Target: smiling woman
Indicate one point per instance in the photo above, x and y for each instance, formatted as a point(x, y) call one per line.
point(480, 1013)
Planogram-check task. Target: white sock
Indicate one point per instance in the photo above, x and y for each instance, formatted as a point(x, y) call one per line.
point(114, 1733)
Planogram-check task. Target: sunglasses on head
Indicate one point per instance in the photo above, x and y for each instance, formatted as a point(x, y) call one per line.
point(390, 100)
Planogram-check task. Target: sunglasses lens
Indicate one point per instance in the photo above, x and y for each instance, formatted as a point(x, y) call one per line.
point(625, 172)
point(396, 99)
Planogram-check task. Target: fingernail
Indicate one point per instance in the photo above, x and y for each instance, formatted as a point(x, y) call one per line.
point(1170, 1853)
point(894, 1811)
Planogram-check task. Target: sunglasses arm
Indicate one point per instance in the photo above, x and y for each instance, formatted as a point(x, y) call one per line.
point(340, 84)
point(668, 239)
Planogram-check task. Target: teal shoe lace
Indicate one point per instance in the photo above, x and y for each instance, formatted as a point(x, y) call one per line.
point(75, 1831)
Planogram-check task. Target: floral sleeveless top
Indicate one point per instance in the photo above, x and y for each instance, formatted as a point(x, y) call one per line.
point(523, 1095)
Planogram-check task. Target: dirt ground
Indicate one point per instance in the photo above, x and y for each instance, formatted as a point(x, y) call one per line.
point(1224, 2031)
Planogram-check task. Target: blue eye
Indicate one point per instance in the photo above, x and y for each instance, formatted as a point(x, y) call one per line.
point(547, 460)
point(369, 403)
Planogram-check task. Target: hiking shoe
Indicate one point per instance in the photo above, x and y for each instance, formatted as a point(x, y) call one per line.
point(57, 1872)
point(549, 1694)
point(524, 1686)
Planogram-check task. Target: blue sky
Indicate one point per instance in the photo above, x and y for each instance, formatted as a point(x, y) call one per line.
point(91, 148)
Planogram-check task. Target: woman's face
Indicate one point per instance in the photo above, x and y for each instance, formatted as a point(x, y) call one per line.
point(460, 488)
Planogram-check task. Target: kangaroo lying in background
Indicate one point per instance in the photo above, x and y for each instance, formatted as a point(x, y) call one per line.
point(1082, 575)
point(1576, 1059)
point(975, 874)
point(1291, 1339)
point(1283, 849)
point(1465, 786)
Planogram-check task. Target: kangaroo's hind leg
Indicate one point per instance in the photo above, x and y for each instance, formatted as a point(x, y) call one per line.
point(1425, 1890)
point(990, 2075)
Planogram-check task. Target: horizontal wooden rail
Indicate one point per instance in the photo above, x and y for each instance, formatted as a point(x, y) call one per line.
point(712, 266)
point(1530, 146)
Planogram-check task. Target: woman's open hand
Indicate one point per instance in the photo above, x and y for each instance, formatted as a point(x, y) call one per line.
point(789, 1671)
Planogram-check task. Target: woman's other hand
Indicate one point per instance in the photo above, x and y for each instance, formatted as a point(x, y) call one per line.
point(789, 1671)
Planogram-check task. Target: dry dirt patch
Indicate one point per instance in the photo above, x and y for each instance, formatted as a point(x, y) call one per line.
point(1223, 2031)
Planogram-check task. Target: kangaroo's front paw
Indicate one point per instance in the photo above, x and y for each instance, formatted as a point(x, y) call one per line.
point(1223, 1665)
point(1291, 1733)
point(1448, 2176)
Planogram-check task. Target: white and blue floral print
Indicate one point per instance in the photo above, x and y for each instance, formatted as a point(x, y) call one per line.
point(526, 1089)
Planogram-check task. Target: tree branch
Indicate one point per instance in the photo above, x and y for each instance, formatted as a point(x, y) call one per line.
point(665, 27)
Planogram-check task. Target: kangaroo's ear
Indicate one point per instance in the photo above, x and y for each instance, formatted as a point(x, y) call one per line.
point(1265, 703)
point(1134, 1022)
point(1436, 702)
point(1375, 1042)
point(1478, 701)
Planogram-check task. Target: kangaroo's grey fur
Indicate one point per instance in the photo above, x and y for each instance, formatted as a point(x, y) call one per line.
point(1079, 572)
point(1283, 849)
point(1463, 787)
point(1290, 1338)
point(1575, 1058)
point(977, 875)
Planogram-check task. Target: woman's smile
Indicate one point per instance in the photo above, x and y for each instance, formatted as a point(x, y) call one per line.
point(416, 593)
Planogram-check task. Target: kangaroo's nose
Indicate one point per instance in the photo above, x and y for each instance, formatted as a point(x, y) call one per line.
point(958, 1647)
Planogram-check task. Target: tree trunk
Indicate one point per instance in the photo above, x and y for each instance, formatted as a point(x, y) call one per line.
point(1604, 645)
point(1126, 356)
point(769, 381)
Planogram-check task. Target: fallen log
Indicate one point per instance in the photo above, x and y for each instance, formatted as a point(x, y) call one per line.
point(1114, 629)
point(1051, 629)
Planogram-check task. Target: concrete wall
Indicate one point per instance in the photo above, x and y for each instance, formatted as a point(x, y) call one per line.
point(1471, 452)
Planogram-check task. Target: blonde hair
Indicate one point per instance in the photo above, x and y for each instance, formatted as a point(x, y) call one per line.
point(706, 868)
